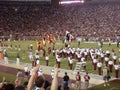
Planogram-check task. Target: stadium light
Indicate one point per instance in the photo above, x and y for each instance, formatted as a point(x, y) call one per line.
point(70, 2)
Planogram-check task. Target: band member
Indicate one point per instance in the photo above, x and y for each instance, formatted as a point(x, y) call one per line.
point(47, 60)
point(106, 61)
point(31, 47)
point(37, 55)
point(107, 53)
point(40, 73)
point(44, 52)
point(53, 51)
point(57, 55)
point(102, 57)
point(110, 64)
point(37, 62)
point(114, 58)
point(49, 50)
point(6, 57)
point(26, 70)
point(95, 60)
point(18, 59)
point(71, 63)
point(113, 52)
point(84, 65)
point(79, 57)
point(116, 66)
point(119, 60)
point(58, 61)
point(86, 55)
point(30, 55)
point(99, 65)
point(82, 59)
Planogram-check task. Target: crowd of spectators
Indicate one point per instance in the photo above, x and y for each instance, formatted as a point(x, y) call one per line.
point(34, 82)
point(88, 19)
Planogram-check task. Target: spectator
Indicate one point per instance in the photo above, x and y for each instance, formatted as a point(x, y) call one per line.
point(19, 88)
point(9, 87)
point(40, 81)
point(65, 83)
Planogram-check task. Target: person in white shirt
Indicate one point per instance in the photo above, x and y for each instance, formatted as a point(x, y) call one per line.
point(82, 59)
point(79, 57)
point(107, 53)
point(86, 55)
point(71, 63)
point(110, 64)
point(37, 56)
point(6, 57)
point(26, 70)
point(37, 62)
point(40, 73)
point(52, 73)
point(73, 52)
point(58, 61)
point(47, 59)
point(95, 60)
point(18, 59)
point(114, 58)
point(102, 57)
point(53, 52)
point(99, 65)
point(116, 66)
point(84, 65)
point(106, 61)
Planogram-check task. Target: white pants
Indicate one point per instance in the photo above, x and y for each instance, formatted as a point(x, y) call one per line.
point(17, 61)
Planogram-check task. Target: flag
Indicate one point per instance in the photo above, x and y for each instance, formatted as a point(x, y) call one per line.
point(48, 38)
point(37, 45)
point(43, 41)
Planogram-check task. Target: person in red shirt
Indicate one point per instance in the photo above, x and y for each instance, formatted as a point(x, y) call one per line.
point(86, 78)
point(78, 81)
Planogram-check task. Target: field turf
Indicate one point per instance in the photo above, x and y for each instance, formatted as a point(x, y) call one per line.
point(12, 53)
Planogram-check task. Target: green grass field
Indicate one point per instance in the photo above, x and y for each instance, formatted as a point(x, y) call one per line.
point(9, 77)
point(12, 53)
point(113, 85)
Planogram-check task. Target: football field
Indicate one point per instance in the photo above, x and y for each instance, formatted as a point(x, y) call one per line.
point(24, 52)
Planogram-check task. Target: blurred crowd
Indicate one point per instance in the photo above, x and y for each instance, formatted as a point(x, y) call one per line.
point(88, 19)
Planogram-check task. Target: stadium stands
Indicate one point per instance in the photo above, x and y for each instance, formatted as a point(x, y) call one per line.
point(89, 19)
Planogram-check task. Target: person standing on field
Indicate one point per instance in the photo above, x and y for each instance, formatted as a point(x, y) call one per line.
point(78, 81)
point(86, 78)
